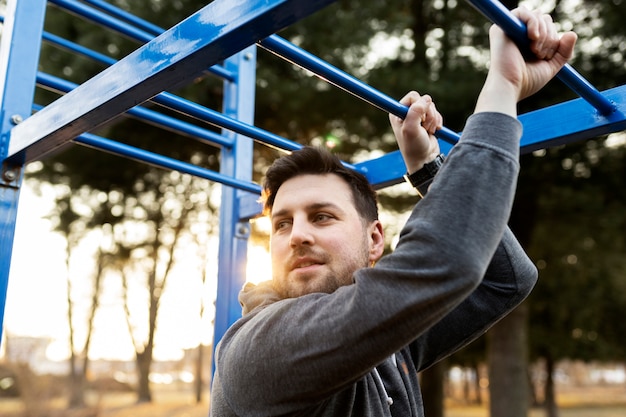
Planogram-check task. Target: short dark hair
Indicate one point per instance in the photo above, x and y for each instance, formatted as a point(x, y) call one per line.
point(319, 161)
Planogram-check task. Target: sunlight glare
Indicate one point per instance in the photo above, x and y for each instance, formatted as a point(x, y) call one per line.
point(259, 266)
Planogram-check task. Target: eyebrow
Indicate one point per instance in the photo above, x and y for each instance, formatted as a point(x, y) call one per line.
point(310, 207)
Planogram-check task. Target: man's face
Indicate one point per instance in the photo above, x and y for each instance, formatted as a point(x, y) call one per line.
point(318, 239)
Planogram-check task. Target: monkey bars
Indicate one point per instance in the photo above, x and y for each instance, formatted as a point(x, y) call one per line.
point(220, 40)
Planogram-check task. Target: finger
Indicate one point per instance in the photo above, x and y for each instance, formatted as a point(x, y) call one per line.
point(565, 49)
point(529, 19)
point(548, 41)
point(432, 119)
point(437, 121)
point(410, 98)
point(418, 110)
point(552, 42)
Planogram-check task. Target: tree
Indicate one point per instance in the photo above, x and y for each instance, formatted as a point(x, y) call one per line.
point(578, 245)
point(132, 196)
point(573, 194)
point(167, 215)
point(72, 226)
point(424, 48)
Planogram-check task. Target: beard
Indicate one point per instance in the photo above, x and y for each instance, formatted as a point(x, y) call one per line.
point(327, 280)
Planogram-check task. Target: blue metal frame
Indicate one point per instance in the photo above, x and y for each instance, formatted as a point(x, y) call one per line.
point(223, 31)
point(577, 120)
point(171, 59)
point(236, 162)
point(19, 56)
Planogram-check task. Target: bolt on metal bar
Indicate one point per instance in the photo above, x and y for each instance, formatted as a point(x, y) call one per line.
point(516, 30)
point(298, 56)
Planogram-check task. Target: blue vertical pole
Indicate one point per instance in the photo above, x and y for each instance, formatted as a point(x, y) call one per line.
point(239, 97)
point(19, 57)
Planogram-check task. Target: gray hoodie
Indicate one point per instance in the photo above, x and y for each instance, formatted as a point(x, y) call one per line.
point(457, 269)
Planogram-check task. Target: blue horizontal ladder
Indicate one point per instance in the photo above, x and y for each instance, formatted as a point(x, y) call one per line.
point(219, 40)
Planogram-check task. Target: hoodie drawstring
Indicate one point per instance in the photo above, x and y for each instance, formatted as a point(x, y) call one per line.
point(380, 381)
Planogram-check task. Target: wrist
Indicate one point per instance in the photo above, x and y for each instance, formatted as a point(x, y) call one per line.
point(423, 177)
point(415, 165)
point(497, 96)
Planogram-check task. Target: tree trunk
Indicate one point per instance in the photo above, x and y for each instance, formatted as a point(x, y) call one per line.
point(432, 380)
point(144, 362)
point(507, 357)
point(552, 409)
point(533, 389)
point(477, 387)
point(199, 373)
point(77, 389)
point(467, 381)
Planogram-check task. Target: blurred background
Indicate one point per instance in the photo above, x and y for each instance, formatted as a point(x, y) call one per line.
point(113, 272)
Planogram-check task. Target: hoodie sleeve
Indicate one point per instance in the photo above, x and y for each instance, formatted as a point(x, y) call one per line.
point(295, 353)
point(509, 279)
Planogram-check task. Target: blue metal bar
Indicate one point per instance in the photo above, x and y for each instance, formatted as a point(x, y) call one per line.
point(161, 161)
point(516, 29)
point(219, 119)
point(19, 57)
point(195, 110)
point(238, 103)
point(343, 80)
point(122, 27)
point(172, 59)
point(185, 106)
point(170, 123)
point(575, 122)
point(79, 49)
point(74, 47)
point(389, 169)
point(103, 19)
point(124, 15)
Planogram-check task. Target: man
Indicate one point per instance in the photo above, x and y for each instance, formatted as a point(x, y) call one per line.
point(335, 335)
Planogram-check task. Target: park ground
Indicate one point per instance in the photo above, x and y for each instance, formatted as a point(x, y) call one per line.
point(597, 401)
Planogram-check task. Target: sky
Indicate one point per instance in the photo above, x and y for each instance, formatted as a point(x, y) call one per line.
point(36, 301)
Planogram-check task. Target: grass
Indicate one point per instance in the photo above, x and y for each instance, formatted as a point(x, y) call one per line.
point(595, 401)
point(575, 402)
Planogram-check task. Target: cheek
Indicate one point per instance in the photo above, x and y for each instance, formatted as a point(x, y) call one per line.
point(277, 251)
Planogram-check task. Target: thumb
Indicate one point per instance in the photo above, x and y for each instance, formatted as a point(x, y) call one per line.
point(566, 48)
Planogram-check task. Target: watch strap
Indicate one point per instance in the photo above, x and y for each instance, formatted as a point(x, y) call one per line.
point(423, 177)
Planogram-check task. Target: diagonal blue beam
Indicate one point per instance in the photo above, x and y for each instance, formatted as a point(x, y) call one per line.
point(171, 101)
point(559, 124)
point(58, 85)
point(207, 37)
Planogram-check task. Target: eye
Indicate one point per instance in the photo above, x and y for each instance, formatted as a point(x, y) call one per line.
point(322, 217)
point(281, 225)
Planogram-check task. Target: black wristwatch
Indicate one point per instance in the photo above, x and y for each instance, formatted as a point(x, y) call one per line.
point(423, 177)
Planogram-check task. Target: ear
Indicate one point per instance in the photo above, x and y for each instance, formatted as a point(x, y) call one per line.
point(376, 240)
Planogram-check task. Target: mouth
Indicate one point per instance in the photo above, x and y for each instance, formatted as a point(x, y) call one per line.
point(305, 263)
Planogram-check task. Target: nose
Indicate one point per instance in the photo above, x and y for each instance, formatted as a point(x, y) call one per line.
point(301, 233)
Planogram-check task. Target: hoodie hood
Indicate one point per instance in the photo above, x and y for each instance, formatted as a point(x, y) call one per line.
point(252, 296)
